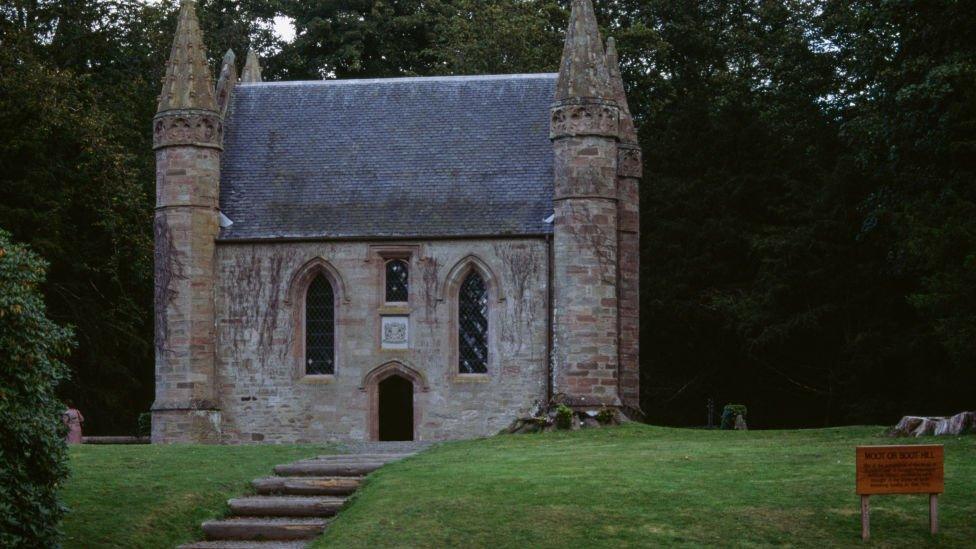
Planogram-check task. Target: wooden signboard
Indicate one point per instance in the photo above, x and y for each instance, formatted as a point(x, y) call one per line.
point(912, 469)
point(900, 470)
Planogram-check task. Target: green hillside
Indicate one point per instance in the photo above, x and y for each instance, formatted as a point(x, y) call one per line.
point(648, 486)
point(634, 485)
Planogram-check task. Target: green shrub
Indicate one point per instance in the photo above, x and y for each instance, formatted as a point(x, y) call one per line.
point(606, 416)
point(33, 453)
point(144, 425)
point(729, 413)
point(564, 416)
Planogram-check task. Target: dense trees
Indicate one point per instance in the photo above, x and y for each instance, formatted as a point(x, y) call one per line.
point(377, 38)
point(77, 189)
point(805, 242)
point(78, 83)
point(809, 231)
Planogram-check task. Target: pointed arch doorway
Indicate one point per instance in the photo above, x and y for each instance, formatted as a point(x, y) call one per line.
point(395, 408)
point(394, 413)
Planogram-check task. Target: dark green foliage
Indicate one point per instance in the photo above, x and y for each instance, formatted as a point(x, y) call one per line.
point(77, 186)
point(144, 425)
point(806, 207)
point(78, 88)
point(809, 201)
point(356, 38)
point(606, 416)
point(915, 142)
point(363, 39)
point(32, 450)
point(729, 413)
point(501, 37)
point(564, 416)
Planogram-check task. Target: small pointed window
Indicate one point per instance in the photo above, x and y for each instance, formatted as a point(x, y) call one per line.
point(473, 325)
point(397, 281)
point(320, 328)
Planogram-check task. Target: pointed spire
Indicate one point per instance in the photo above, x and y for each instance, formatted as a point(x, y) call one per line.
point(188, 83)
point(226, 81)
point(628, 133)
point(252, 69)
point(583, 72)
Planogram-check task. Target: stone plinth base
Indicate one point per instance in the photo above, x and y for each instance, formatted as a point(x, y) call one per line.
point(561, 415)
point(587, 402)
point(185, 426)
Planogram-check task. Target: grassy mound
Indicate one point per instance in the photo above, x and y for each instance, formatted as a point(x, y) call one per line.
point(629, 486)
point(647, 486)
point(157, 496)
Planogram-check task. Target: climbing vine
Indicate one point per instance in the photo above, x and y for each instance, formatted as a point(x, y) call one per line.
point(254, 306)
point(169, 270)
point(522, 267)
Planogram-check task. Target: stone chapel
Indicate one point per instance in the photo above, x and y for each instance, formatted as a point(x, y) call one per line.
point(392, 259)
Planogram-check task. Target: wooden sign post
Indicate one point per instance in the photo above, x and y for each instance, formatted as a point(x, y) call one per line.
point(900, 470)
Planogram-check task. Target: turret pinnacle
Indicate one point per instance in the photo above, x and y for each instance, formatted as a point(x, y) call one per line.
point(188, 83)
point(252, 69)
point(628, 133)
point(226, 81)
point(583, 72)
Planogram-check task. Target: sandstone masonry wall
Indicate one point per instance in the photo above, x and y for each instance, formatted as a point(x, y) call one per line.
point(585, 270)
point(585, 131)
point(264, 395)
point(628, 233)
point(185, 229)
point(187, 136)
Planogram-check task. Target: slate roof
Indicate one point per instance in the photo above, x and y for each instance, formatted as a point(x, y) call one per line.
point(391, 158)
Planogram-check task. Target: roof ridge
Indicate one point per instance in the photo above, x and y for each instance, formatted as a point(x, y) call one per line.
point(405, 79)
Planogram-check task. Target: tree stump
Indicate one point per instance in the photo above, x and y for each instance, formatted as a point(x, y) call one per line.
point(920, 426)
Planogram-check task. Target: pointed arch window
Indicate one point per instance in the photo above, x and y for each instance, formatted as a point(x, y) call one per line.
point(473, 325)
point(320, 328)
point(397, 281)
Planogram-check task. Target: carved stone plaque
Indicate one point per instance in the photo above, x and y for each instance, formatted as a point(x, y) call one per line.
point(395, 333)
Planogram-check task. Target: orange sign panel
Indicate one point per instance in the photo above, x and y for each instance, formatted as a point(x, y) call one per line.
point(900, 470)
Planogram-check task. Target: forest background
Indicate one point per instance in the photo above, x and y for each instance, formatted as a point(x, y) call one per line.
point(808, 207)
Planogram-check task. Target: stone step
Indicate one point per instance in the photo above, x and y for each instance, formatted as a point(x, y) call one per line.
point(263, 529)
point(347, 461)
point(316, 468)
point(307, 486)
point(285, 506)
point(226, 544)
point(363, 457)
point(291, 508)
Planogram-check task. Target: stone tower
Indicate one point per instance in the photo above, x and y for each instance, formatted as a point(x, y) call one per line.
point(187, 138)
point(630, 169)
point(585, 126)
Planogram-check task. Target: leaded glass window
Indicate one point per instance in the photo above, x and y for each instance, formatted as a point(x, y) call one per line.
point(397, 281)
point(320, 328)
point(473, 325)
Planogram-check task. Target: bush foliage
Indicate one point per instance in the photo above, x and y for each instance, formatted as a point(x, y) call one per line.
point(32, 450)
point(729, 413)
point(564, 416)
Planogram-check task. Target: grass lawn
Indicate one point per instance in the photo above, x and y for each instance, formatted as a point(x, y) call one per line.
point(157, 496)
point(649, 486)
point(629, 486)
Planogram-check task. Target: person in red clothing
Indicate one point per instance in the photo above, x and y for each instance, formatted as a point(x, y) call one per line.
point(73, 419)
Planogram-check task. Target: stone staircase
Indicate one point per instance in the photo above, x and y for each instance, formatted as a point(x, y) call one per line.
point(293, 507)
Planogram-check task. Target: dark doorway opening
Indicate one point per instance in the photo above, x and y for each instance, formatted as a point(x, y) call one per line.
point(396, 409)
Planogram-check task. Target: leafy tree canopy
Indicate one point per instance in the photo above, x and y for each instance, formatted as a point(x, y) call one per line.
point(809, 242)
